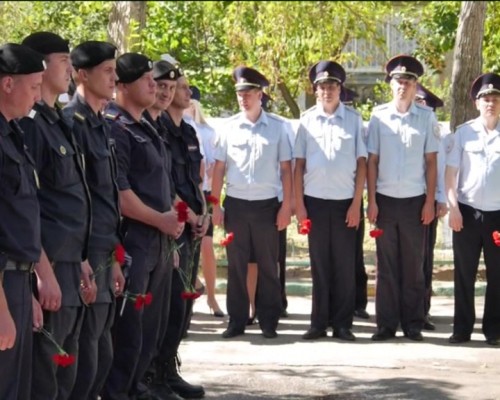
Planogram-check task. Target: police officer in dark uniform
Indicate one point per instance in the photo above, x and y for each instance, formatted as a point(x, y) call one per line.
point(95, 73)
point(255, 155)
point(187, 176)
point(20, 245)
point(65, 218)
point(426, 97)
point(145, 202)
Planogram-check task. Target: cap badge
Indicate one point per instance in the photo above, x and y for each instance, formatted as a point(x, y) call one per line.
point(44, 64)
point(150, 64)
point(403, 69)
point(490, 86)
point(116, 53)
point(171, 74)
point(324, 74)
point(242, 80)
point(62, 149)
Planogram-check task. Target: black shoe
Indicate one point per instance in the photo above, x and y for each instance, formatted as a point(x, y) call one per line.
point(458, 338)
point(383, 334)
point(361, 313)
point(269, 333)
point(163, 392)
point(313, 334)
point(414, 335)
point(492, 341)
point(428, 325)
point(284, 314)
point(179, 385)
point(231, 332)
point(344, 334)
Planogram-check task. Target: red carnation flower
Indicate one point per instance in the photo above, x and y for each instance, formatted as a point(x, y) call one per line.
point(376, 232)
point(182, 211)
point(63, 360)
point(120, 254)
point(212, 200)
point(496, 237)
point(305, 227)
point(139, 302)
point(148, 298)
point(227, 239)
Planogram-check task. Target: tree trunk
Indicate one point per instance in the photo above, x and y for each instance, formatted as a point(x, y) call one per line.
point(290, 101)
point(467, 60)
point(120, 18)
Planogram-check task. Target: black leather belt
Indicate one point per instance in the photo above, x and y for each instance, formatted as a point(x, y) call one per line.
point(12, 265)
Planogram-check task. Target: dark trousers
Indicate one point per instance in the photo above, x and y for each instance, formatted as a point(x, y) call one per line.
point(136, 332)
point(400, 257)
point(254, 226)
point(95, 343)
point(332, 247)
point(180, 309)
point(51, 382)
point(475, 236)
point(361, 277)
point(430, 242)
point(15, 363)
point(282, 266)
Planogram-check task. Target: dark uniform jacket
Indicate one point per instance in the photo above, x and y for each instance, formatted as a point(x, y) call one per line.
point(19, 209)
point(64, 197)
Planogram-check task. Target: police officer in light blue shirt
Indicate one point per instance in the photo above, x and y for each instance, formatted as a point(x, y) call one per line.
point(474, 202)
point(402, 164)
point(254, 153)
point(329, 176)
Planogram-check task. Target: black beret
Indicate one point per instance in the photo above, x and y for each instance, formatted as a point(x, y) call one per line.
point(249, 78)
point(485, 84)
point(164, 70)
point(131, 66)
point(403, 66)
point(431, 100)
point(326, 71)
point(16, 59)
point(46, 43)
point(91, 53)
point(195, 93)
point(347, 95)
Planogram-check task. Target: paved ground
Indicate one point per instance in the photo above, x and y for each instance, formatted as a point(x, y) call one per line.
point(250, 367)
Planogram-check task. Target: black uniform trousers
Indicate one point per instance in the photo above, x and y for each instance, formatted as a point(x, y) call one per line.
point(180, 309)
point(253, 224)
point(361, 276)
point(282, 266)
point(332, 248)
point(400, 257)
point(15, 363)
point(475, 236)
point(430, 243)
point(95, 344)
point(136, 332)
point(51, 382)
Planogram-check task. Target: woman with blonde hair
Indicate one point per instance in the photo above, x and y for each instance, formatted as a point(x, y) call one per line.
point(206, 136)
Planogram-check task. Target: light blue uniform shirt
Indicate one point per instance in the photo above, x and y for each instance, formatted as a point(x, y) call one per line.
point(476, 154)
point(400, 141)
point(331, 145)
point(252, 153)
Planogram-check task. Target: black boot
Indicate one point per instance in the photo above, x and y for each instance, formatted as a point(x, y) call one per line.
point(158, 386)
point(179, 385)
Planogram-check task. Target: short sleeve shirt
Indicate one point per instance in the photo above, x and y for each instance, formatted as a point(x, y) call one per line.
point(252, 153)
point(476, 154)
point(331, 146)
point(401, 142)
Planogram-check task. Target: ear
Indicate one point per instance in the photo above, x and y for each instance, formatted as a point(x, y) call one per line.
point(477, 104)
point(82, 75)
point(7, 84)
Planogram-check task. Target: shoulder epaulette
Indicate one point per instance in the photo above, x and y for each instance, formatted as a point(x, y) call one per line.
point(275, 116)
point(352, 110)
point(78, 116)
point(464, 124)
point(32, 114)
point(424, 107)
point(380, 107)
point(308, 111)
point(112, 117)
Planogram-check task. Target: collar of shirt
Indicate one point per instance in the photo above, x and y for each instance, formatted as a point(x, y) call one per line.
point(49, 113)
point(94, 120)
point(5, 128)
point(396, 114)
point(244, 121)
point(321, 114)
point(483, 132)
